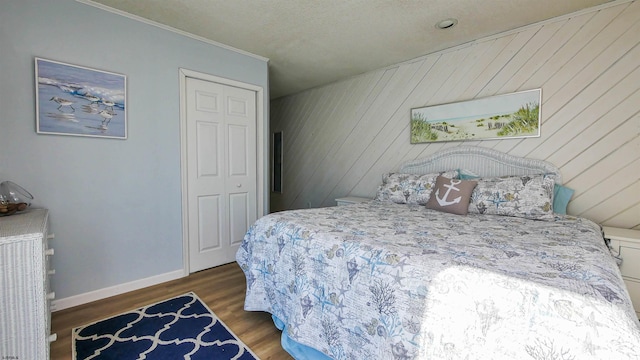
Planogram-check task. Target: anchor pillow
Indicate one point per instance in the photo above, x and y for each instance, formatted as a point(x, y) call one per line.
point(451, 195)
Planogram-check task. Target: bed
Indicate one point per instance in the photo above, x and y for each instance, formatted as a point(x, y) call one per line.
point(399, 278)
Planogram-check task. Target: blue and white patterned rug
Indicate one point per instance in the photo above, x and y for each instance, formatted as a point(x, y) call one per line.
point(179, 328)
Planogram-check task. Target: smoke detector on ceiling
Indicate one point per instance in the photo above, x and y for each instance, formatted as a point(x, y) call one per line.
point(446, 23)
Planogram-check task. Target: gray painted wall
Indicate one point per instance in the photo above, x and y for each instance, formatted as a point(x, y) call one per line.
point(339, 139)
point(115, 205)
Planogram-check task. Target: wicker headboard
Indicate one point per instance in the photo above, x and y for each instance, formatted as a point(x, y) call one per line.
point(481, 161)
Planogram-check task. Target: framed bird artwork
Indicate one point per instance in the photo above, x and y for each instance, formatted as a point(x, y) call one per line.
point(80, 101)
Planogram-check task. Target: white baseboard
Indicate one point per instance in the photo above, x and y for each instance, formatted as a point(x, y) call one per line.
point(100, 294)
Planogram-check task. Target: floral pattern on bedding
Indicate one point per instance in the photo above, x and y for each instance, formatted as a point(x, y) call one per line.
point(380, 280)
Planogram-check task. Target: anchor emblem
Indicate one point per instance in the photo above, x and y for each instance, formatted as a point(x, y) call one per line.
point(443, 200)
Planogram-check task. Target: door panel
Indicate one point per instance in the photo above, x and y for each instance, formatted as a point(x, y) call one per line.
point(208, 152)
point(209, 220)
point(239, 215)
point(237, 106)
point(221, 170)
point(207, 102)
point(238, 157)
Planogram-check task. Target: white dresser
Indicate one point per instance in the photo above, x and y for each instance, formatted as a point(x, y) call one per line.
point(25, 297)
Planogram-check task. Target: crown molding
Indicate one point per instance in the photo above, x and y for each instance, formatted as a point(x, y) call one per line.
point(169, 28)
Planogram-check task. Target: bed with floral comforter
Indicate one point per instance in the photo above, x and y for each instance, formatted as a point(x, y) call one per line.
point(380, 280)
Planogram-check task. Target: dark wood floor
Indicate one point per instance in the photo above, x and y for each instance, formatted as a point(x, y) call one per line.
point(221, 288)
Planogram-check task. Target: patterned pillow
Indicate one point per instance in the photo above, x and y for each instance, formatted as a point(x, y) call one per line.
point(528, 196)
point(408, 188)
point(451, 195)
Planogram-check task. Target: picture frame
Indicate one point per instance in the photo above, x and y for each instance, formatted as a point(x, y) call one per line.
point(514, 115)
point(79, 101)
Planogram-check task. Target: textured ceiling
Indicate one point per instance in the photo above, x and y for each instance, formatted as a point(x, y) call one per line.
point(315, 42)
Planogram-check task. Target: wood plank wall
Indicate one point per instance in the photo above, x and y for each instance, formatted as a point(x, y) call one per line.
point(339, 139)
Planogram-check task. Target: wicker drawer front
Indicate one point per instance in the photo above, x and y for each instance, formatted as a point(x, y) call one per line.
point(24, 308)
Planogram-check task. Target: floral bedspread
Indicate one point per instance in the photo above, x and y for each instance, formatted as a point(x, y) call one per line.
point(379, 280)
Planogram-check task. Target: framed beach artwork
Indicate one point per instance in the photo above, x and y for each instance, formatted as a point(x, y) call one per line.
point(76, 100)
point(514, 115)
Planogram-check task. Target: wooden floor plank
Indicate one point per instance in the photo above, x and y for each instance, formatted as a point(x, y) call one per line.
point(222, 288)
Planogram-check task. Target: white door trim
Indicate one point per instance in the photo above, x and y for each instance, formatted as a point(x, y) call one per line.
point(260, 136)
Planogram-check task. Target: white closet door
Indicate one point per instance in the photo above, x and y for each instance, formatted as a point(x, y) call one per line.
point(221, 170)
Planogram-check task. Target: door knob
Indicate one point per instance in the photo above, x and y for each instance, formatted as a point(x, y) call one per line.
point(239, 185)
